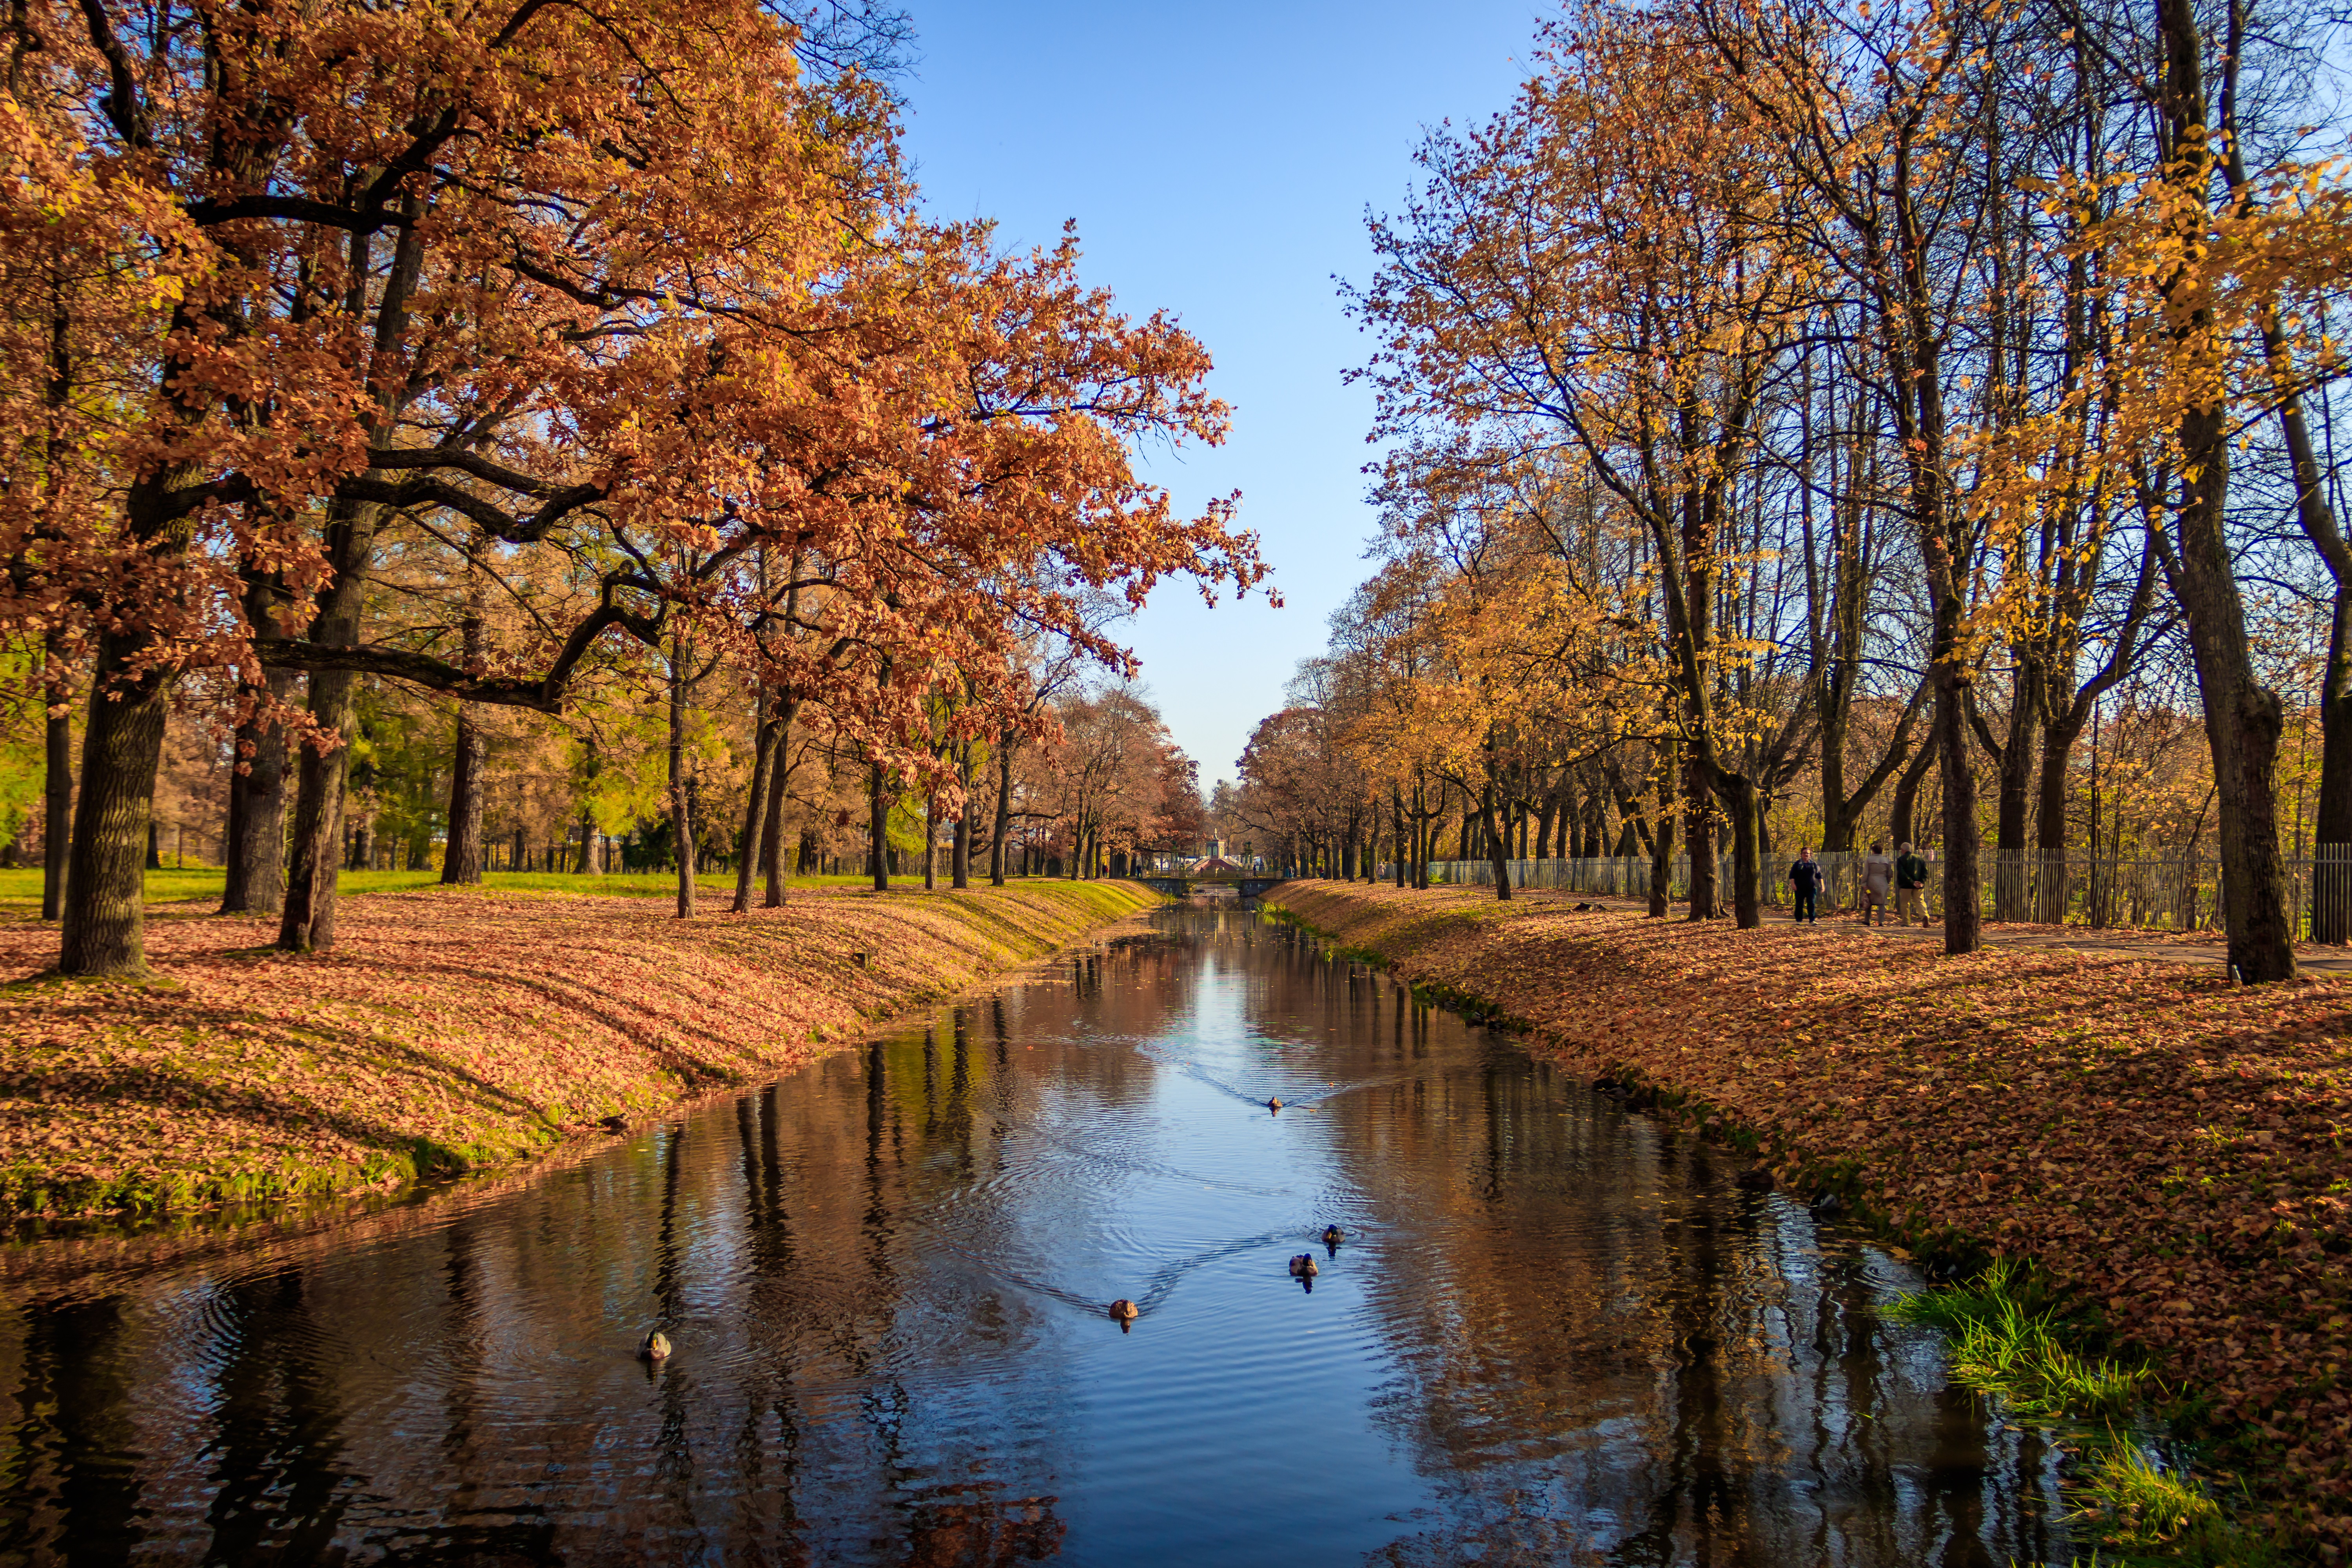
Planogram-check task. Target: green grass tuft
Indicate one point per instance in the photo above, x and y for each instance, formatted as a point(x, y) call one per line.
point(2001, 1345)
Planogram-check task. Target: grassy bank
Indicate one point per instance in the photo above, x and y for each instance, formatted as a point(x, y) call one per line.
point(2170, 1151)
point(452, 1028)
point(20, 887)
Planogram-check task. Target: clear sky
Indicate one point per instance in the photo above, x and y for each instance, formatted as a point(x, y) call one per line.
point(1218, 159)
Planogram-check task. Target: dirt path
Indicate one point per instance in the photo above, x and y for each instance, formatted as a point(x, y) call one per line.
point(2147, 946)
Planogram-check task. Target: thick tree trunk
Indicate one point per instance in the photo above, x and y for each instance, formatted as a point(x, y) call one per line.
point(755, 844)
point(2242, 718)
point(774, 874)
point(1698, 829)
point(308, 922)
point(1963, 921)
point(1739, 796)
point(253, 854)
point(878, 828)
point(1497, 852)
point(1661, 841)
point(57, 782)
point(103, 930)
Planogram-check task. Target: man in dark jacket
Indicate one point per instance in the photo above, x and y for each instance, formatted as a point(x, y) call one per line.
point(1807, 877)
point(1910, 887)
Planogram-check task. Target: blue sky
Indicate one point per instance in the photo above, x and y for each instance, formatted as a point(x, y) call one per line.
point(1218, 159)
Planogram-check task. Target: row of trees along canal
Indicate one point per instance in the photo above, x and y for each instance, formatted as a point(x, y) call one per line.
point(1809, 401)
point(584, 362)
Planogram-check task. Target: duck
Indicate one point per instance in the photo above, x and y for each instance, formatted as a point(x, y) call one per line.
point(1274, 1104)
point(1333, 1236)
point(654, 1347)
point(1302, 1266)
point(1123, 1312)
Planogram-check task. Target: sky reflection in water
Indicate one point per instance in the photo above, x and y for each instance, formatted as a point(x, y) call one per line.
point(1554, 1333)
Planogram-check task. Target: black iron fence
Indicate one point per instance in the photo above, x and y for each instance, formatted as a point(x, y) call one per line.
point(2181, 892)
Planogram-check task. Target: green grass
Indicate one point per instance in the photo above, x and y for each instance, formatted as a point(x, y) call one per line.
point(2001, 1345)
point(2138, 1505)
point(22, 887)
point(2006, 1342)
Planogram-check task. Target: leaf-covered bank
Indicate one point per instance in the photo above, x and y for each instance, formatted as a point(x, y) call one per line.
point(2169, 1147)
point(454, 1028)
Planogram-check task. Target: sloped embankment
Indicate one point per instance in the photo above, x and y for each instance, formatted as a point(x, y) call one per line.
point(2172, 1149)
point(454, 1028)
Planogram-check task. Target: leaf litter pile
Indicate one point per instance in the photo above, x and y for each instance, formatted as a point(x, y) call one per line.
point(451, 1030)
point(2169, 1147)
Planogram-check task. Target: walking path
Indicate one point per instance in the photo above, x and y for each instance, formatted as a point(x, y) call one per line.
point(2147, 946)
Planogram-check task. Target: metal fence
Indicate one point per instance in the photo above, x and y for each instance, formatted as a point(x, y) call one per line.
point(2180, 893)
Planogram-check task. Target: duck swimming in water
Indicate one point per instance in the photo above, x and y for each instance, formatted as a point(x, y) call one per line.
point(1124, 1312)
point(1333, 1236)
point(654, 1347)
point(1302, 1266)
point(1273, 1105)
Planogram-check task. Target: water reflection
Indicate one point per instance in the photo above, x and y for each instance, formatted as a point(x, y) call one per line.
point(1547, 1332)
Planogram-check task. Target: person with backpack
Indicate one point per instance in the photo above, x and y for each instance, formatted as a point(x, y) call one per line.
point(1806, 877)
point(1910, 886)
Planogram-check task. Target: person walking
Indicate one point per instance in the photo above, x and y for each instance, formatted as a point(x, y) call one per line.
point(1877, 876)
point(1910, 886)
point(1806, 877)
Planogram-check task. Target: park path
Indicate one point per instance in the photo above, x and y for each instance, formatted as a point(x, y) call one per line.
point(2201, 948)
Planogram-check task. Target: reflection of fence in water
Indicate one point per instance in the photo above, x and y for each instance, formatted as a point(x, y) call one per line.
point(2180, 893)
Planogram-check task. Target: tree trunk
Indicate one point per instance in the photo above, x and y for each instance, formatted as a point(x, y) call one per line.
point(104, 916)
point(930, 840)
point(2331, 903)
point(1963, 921)
point(774, 873)
point(1004, 811)
point(254, 856)
point(1396, 819)
point(756, 846)
point(461, 865)
point(308, 922)
point(1904, 808)
point(878, 828)
point(681, 808)
point(57, 785)
point(1661, 841)
point(1698, 828)
point(1497, 851)
point(1739, 796)
point(2242, 718)
point(959, 865)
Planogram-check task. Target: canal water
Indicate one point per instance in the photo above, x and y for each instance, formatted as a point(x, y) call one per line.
point(1554, 1331)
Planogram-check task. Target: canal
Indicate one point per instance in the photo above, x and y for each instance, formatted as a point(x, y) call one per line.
point(1553, 1331)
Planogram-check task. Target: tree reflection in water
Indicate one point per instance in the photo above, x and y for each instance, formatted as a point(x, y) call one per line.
point(1555, 1333)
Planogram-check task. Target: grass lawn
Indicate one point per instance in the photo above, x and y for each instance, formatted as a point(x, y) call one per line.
point(20, 889)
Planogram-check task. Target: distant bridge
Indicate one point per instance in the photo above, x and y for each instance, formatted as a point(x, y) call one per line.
point(1184, 886)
